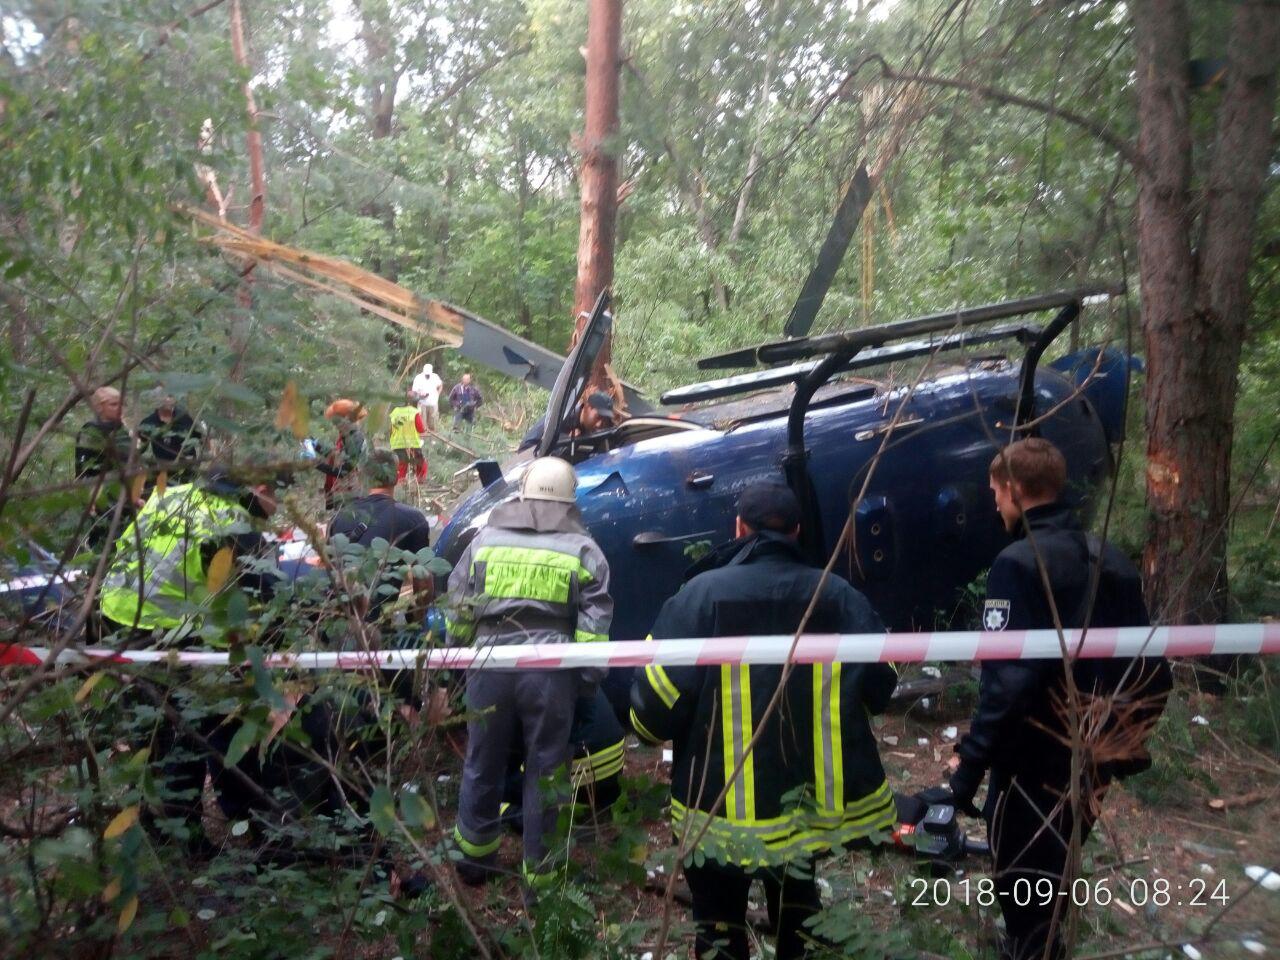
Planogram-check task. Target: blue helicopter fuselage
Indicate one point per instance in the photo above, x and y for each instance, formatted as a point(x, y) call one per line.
point(924, 526)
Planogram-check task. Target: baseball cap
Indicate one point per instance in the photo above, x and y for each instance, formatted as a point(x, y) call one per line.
point(601, 401)
point(769, 506)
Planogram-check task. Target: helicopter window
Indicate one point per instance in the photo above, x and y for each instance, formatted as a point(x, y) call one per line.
point(578, 448)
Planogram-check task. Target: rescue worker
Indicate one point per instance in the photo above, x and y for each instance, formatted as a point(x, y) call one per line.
point(172, 440)
point(531, 575)
point(407, 429)
point(104, 447)
point(594, 414)
point(379, 516)
point(1021, 729)
point(342, 461)
point(157, 590)
point(817, 741)
point(169, 546)
point(426, 387)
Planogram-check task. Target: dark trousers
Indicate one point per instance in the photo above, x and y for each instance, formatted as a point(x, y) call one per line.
point(534, 710)
point(1030, 830)
point(720, 908)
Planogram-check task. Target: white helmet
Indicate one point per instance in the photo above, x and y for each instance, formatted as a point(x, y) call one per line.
point(549, 478)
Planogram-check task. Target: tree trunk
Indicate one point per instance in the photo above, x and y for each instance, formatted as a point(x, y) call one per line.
point(757, 146)
point(1194, 301)
point(599, 165)
point(524, 316)
point(257, 195)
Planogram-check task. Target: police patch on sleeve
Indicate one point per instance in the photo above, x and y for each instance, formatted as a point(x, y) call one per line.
point(995, 615)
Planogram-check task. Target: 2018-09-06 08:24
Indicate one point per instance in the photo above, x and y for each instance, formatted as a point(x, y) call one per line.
point(1082, 892)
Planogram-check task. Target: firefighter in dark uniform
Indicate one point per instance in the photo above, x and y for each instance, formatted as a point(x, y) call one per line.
point(813, 781)
point(1021, 730)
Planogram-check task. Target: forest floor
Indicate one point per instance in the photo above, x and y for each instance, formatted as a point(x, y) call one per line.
point(1178, 837)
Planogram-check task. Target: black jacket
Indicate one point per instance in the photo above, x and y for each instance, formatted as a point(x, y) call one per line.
point(814, 780)
point(1020, 726)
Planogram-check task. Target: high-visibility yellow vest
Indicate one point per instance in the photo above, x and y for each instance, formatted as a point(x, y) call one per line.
point(404, 429)
point(158, 578)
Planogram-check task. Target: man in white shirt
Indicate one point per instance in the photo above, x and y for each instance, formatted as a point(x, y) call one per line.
point(427, 386)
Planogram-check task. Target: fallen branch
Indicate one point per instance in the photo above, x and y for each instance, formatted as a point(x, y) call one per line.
point(1237, 803)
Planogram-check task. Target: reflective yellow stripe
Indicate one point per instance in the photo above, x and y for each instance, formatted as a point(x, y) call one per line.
point(601, 764)
point(820, 743)
point(746, 729)
point(728, 696)
point(475, 850)
point(642, 730)
point(837, 740)
point(586, 636)
point(529, 573)
point(828, 753)
point(662, 685)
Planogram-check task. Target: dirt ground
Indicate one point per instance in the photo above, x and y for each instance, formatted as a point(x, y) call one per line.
point(1185, 856)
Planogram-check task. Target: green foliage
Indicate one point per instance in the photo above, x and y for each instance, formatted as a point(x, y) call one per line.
point(1172, 748)
point(472, 196)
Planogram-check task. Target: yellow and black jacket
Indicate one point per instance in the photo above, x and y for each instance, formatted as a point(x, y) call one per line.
point(814, 781)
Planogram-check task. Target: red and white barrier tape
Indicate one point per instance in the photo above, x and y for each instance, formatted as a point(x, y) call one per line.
point(1192, 641)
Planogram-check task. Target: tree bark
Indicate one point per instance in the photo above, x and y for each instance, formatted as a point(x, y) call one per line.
point(757, 145)
point(599, 165)
point(1194, 298)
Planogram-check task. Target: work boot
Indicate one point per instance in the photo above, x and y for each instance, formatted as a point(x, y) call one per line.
point(476, 872)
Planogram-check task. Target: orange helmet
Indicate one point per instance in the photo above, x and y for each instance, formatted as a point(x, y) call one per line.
point(347, 409)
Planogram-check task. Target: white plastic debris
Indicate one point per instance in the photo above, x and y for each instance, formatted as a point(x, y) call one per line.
point(1205, 868)
point(950, 733)
point(380, 918)
point(443, 778)
point(923, 741)
point(931, 671)
point(647, 955)
point(924, 703)
point(1267, 879)
point(668, 755)
point(891, 741)
point(1200, 722)
point(824, 886)
point(206, 914)
point(1254, 947)
point(1191, 952)
point(240, 828)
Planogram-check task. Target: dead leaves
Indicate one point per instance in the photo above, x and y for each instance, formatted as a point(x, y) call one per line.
point(293, 413)
point(121, 822)
point(219, 569)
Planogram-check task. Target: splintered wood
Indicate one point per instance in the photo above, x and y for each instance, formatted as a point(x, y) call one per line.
point(335, 277)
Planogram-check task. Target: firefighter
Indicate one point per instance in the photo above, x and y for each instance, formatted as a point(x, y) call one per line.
point(818, 740)
point(1021, 730)
point(531, 575)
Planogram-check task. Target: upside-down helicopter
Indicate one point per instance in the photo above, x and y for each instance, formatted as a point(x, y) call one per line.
point(908, 460)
